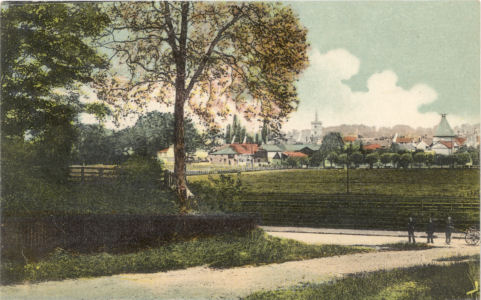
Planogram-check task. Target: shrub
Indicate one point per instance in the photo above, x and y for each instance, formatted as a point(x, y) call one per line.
point(140, 169)
point(405, 159)
point(222, 193)
point(385, 158)
point(372, 158)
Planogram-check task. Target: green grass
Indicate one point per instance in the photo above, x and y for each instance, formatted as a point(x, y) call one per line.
point(415, 182)
point(423, 282)
point(110, 197)
point(224, 251)
point(379, 198)
point(405, 246)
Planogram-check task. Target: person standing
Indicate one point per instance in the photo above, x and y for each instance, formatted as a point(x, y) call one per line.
point(411, 230)
point(449, 230)
point(430, 231)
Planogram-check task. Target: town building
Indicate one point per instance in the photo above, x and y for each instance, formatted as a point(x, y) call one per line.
point(237, 154)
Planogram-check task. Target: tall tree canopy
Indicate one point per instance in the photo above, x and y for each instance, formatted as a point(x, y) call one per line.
point(45, 46)
point(215, 56)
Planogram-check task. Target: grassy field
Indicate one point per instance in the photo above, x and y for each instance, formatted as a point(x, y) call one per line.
point(378, 198)
point(114, 197)
point(224, 251)
point(424, 282)
point(415, 182)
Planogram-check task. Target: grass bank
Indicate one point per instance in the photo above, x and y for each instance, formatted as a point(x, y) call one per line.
point(224, 251)
point(423, 282)
point(414, 182)
point(378, 198)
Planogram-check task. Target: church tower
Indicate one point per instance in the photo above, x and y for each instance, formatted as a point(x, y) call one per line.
point(316, 128)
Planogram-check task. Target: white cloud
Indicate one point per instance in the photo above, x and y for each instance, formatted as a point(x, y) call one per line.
point(383, 104)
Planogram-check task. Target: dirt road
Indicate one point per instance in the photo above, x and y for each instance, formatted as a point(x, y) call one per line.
point(206, 283)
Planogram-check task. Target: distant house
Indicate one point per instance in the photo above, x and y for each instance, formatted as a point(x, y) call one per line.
point(349, 139)
point(445, 140)
point(444, 147)
point(371, 147)
point(237, 154)
point(274, 152)
point(422, 146)
point(296, 154)
point(167, 154)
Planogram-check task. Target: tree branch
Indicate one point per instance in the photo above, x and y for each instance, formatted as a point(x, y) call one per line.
point(207, 55)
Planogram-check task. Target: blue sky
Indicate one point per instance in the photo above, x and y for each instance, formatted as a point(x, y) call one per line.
point(386, 63)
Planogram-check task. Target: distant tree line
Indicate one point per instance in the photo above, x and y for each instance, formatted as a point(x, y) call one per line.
point(334, 151)
point(152, 132)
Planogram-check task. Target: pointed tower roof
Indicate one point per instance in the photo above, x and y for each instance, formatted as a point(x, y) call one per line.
point(444, 129)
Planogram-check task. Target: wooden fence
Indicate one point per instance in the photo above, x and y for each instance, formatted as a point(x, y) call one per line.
point(86, 173)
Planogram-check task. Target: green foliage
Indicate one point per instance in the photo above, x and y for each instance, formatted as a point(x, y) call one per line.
point(462, 158)
point(405, 160)
point(372, 158)
point(316, 159)
point(332, 157)
point(43, 47)
point(137, 189)
point(429, 159)
point(223, 251)
point(356, 158)
point(221, 193)
point(475, 157)
point(343, 159)
point(395, 157)
point(405, 246)
point(152, 132)
point(423, 282)
point(380, 198)
point(332, 142)
point(140, 169)
point(99, 110)
point(386, 158)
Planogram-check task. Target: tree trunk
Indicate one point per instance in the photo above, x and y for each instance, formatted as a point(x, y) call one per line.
point(180, 97)
point(179, 151)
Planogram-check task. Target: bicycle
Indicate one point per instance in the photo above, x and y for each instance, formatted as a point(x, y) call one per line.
point(472, 236)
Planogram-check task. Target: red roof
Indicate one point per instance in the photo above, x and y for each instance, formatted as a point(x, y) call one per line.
point(404, 140)
point(372, 147)
point(245, 148)
point(349, 138)
point(163, 150)
point(460, 140)
point(447, 144)
point(294, 154)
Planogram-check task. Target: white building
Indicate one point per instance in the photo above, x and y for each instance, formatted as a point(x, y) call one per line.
point(444, 140)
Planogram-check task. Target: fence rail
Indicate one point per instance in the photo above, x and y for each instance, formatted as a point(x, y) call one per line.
point(84, 173)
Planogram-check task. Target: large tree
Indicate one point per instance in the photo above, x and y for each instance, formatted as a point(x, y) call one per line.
point(215, 56)
point(45, 46)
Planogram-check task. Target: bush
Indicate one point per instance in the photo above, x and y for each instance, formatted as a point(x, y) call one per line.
point(372, 158)
point(222, 251)
point(140, 169)
point(219, 194)
point(405, 160)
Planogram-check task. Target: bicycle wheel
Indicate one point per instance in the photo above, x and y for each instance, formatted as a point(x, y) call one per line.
point(472, 237)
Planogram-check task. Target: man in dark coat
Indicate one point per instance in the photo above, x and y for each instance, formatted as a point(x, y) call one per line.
point(430, 231)
point(449, 230)
point(411, 230)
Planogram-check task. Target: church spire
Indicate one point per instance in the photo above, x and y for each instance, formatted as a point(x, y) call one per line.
point(316, 115)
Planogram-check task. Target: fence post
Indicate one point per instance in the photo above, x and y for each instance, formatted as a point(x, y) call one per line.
point(101, 172)
point(82, 173)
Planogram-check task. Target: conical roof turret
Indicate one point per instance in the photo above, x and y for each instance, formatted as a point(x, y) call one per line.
point(444, 129)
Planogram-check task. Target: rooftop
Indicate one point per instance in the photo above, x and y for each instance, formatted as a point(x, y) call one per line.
point(444, 129)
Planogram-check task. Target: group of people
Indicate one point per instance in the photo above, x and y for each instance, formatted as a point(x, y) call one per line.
point(430, 230)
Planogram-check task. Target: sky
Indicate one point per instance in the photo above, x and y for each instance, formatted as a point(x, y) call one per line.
point(382, 63)
point(387, 63)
